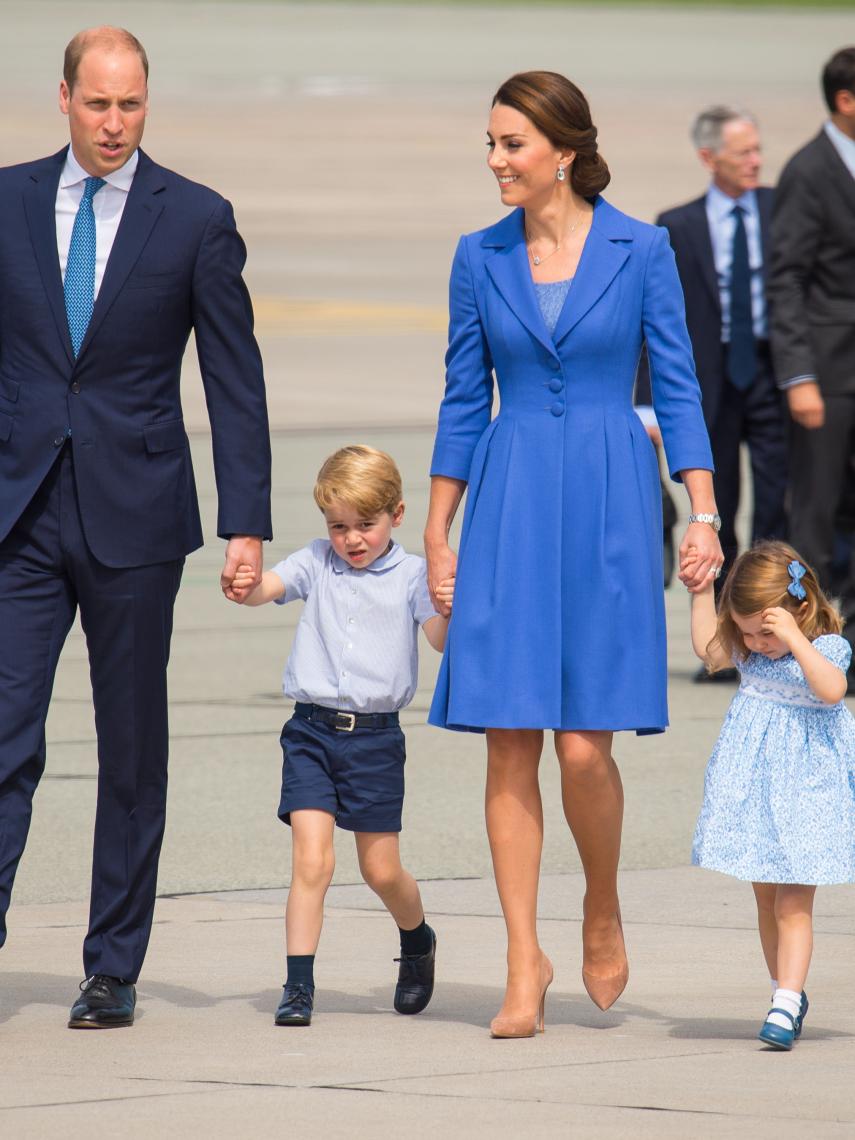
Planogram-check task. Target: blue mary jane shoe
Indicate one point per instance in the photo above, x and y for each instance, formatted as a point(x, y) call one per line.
point(800, 1020)
point(776, 1035)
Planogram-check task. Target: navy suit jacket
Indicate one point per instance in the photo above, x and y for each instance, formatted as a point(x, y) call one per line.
point(689, 231)
point(812, 281)
point(175, 266)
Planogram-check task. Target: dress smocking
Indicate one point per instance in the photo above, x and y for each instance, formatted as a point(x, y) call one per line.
point(779, 792)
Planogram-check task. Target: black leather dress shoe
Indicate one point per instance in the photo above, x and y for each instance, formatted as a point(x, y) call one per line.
point(721, 676)
point(104, 1003)
point(295, 1008)
point(415, 979)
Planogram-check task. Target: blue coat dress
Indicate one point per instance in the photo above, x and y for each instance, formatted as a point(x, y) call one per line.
point(559, 615)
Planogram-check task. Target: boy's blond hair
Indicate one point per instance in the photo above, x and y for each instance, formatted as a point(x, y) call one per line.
point(365, 479)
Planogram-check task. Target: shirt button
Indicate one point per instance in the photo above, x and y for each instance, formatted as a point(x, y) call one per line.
point(555, 385)
point(353, 589)
point(350, 645)
point(350, 621)
point(344, 673)
point(75, 387)
point(557, 408)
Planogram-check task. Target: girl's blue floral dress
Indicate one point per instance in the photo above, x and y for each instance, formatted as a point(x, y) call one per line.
point(779, 794)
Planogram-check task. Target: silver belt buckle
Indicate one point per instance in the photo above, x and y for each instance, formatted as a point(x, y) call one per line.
point(345, 722)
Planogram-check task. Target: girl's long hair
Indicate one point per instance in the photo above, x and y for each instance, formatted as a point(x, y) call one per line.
point(759, 580)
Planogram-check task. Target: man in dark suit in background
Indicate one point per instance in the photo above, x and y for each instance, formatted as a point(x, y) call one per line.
point(107, 263)
point(812, 298)
point(720, 241)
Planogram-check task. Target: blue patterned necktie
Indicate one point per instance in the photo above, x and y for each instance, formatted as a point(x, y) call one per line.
point(80, 267)
point(742, 351)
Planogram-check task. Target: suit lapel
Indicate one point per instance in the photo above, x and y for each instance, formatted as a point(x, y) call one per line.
point(601, 261)
point(701, 239)
point(139, 218)
point(764, 206)
point(40, 208)
point(837, 169)
point(510, 272)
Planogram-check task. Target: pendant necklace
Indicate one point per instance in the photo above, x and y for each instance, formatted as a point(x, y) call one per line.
point(539, 260)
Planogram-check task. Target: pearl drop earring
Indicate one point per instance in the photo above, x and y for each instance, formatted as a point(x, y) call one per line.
point(560, 175)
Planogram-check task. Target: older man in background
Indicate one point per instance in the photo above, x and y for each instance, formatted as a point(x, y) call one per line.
point(721, 242)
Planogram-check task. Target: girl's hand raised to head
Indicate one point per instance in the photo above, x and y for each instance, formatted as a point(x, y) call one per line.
point(781, 624)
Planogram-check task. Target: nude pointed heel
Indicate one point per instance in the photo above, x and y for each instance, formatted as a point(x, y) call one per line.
point(604, 990)
point(527, 1025)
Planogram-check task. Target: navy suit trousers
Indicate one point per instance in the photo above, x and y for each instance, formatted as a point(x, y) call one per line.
point(48, 572)
point(756, 417)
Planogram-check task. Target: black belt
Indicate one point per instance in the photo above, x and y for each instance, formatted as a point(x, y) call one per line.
point(345, 721)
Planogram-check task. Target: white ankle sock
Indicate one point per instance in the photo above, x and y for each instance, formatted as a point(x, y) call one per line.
point(773, 982)
point(788, 1000)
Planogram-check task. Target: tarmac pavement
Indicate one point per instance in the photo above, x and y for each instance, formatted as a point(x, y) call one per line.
point(349, 140)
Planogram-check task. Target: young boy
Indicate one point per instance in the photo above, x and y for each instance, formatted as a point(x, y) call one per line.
point(353, 665)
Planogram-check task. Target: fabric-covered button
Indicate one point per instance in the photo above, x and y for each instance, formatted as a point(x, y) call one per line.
point(556, 365)
point(557, 408)
point(555, 385)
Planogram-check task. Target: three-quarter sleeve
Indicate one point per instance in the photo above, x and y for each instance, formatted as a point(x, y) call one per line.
point(676, 393)
point(466, 407)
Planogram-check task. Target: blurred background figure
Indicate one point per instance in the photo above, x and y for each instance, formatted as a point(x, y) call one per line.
point(721, 243)
point(812, 299)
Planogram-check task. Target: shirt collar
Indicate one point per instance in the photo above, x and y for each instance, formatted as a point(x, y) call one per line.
point(73, 173)
point(722, 204)
point(845, 146)
point(385, 562)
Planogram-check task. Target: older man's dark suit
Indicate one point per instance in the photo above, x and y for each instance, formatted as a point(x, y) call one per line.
point(812, 298)
point(99, 505)
point(731, 415)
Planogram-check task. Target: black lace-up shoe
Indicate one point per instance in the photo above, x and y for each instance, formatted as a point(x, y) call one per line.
point(415, 979)
point(104, 1003)
point(295, 1008)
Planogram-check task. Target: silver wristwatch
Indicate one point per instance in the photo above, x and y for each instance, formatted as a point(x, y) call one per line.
point(713, 520)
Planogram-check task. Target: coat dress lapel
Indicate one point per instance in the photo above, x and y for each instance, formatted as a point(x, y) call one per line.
point(511, 274)
point(603, 256)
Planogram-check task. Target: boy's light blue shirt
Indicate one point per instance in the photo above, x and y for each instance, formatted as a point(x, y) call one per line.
point(356, 645)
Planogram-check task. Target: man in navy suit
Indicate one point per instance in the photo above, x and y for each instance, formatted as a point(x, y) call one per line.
point(812, 290)
point(107, 262)
point(721, 241)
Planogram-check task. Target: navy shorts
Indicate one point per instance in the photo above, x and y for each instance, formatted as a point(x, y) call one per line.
point(358, 776)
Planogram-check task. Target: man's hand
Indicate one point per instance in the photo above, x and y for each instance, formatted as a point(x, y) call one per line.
point(244, 551)
point(806, 404)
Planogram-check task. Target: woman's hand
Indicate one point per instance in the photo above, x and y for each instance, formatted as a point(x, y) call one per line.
point(441, 566)
point(701, 557)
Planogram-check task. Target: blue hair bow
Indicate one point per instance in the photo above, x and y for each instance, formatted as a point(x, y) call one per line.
point(796, 572)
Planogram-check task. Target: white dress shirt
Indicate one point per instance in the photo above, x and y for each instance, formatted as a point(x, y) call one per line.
point(842, 143)
point(107, 206)
point(722, 225)
point(356, 646)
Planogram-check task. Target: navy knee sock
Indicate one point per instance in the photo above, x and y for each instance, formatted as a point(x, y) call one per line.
point(416, 941)
point(301, 970)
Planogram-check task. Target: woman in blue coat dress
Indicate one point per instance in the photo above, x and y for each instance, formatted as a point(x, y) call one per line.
point(558, 612)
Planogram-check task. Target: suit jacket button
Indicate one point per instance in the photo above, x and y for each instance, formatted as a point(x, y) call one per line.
point(556, 365)
point(557, 408)
point(59, 441)
point(75, 387)
point(555, 385)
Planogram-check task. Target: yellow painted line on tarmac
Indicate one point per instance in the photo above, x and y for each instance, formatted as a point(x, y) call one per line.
point(288, 316)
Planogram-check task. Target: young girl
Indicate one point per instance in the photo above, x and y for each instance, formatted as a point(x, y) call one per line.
point(779, 795)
